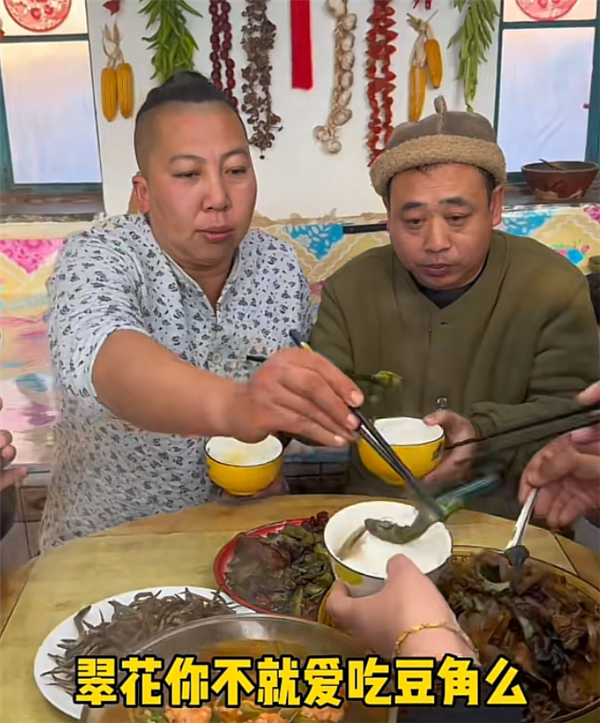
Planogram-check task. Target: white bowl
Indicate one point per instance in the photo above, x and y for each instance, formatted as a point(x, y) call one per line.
point(364, 570)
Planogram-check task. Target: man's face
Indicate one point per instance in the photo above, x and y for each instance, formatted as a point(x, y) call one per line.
point(440, 223)
point(198, 185)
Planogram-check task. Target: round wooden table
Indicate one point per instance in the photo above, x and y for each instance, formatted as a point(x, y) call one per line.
point(178, 550)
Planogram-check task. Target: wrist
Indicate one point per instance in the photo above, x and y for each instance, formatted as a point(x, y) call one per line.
point(434, 643)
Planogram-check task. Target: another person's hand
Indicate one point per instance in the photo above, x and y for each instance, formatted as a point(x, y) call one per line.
point(298, 392)
point(567, 471)
point(7, 456)
point(408, 598)
point(455, 464)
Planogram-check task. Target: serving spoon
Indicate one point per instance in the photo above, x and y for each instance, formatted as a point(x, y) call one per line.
point(515, 552)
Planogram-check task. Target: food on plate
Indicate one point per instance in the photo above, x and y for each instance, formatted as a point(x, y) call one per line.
point(218, 713)
point(538, 620)
point(286, 572)
point(130, 627)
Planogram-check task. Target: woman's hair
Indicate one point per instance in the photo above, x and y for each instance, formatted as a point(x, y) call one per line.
point(594, 284)
point(183, 87)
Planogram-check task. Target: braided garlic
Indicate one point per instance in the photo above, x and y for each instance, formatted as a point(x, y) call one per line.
point(339, 113)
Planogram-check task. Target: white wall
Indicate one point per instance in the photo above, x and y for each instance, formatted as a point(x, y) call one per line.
point(297, 176)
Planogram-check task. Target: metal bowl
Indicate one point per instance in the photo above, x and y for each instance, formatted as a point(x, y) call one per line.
point(249, 635)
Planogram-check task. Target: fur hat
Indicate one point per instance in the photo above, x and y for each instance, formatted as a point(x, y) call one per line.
point(443, 137)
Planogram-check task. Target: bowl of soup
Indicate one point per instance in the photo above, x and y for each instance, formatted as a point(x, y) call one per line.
point(415, 443)
point(246, 636)
point(243, 469)
point(364, 568)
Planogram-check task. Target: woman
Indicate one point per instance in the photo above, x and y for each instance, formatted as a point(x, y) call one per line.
point(153, 318)
point(409, 618)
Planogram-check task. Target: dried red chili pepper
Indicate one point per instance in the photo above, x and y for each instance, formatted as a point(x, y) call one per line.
point(221, 47)
point(380, 85)
point(113, 6)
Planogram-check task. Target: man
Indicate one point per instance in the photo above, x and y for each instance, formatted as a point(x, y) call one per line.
point(491, 329)
point(153, 318)
point(567, 473)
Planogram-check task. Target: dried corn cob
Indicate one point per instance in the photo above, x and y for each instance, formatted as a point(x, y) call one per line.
point(109, 93)
point(125, 89)
point(434, 62)
point(418, 91)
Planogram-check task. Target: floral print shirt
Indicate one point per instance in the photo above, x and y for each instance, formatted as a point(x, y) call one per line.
point(113, 277)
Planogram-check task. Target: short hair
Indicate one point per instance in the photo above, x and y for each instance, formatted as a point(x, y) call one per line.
point(489, 180)
point(183, 87)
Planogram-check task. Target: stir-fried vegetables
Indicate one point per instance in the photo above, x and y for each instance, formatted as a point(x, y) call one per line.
point(129, 628)
point(536, 619)
point(286, 572)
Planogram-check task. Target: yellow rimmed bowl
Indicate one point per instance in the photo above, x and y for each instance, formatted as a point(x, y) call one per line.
point(364, 570)
point(243, 469)
point(415, 443)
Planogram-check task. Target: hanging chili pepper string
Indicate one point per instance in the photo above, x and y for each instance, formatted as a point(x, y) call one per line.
point(380, 87)
point(221, 42)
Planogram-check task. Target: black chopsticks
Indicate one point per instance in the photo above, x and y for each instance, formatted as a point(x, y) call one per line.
point(586, 416)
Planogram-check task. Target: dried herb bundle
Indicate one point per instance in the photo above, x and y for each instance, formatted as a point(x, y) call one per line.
point(130, 627)
point(258, 39)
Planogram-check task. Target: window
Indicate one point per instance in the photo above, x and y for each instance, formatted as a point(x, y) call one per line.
point(48, 134)
point(548, 92)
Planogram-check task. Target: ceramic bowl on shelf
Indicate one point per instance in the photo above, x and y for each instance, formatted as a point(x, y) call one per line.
point(243, 469)
point(415, 443)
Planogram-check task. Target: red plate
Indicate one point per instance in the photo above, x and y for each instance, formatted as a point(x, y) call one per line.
point(225, 555)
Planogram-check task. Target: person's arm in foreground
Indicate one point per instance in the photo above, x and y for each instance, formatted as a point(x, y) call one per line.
point(567, 473)
point(565, 363)
point(8, 453)
point(101, 348)
point(408, 600)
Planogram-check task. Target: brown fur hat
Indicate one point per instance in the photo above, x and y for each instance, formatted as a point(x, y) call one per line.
point(443, 137)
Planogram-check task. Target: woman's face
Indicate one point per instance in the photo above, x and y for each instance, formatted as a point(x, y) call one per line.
point(198, 184)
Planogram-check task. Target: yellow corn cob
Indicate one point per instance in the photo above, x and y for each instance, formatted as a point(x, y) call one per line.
point(434, 62)
point(418, 90)
point(109, 93)
point(125, 89)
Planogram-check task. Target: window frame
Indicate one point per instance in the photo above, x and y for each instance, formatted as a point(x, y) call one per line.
point(7, 181)
point(592, 150)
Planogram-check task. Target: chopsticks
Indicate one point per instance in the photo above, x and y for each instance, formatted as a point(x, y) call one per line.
point(587, 415)
point(375, 439)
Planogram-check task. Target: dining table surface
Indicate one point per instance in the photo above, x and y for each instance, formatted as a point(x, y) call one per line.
point(179, 549)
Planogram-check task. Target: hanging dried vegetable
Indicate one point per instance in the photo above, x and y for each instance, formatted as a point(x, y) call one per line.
point(474, 38)
point(117, 84)
point(172, 44)
point(113, 6)
point(339, 113)
point(425, 62)
point(258, 40)
point(427, 3)
point(220, 41)
point(380, 87)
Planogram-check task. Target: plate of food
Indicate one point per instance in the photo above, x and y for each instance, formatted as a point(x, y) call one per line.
point(282, 568)
point(542, 618)
point(116, 626)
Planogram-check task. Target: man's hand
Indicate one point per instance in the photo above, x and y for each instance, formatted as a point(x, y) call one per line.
point(455, 464)
point(567, 471)
point(7, 456)
point(301, 393)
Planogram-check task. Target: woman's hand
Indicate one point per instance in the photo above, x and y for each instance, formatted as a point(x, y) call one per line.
point(408, 598)
point(567, 473)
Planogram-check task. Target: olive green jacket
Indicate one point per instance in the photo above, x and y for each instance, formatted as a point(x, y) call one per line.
point(520, 343)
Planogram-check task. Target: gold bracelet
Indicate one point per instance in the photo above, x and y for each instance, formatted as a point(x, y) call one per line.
point(456, 629)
